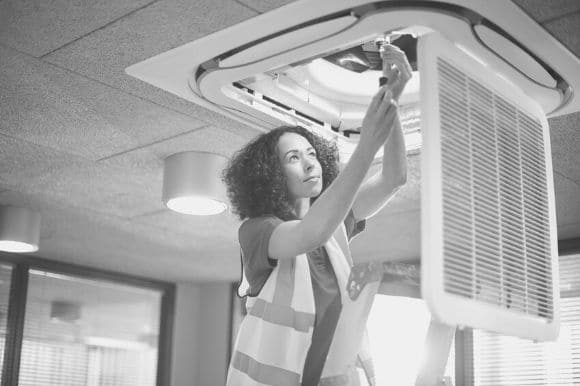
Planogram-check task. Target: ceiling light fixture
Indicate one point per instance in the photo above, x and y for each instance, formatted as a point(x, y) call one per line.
point(192, 183)
point(19, 229)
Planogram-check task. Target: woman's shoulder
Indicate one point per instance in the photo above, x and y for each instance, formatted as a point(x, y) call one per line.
point(258, 224)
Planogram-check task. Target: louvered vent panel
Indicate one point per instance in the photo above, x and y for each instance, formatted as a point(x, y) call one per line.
point(496, 236)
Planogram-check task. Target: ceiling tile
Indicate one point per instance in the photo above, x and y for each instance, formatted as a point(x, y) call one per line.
point(565, 143)
point(567, 194)
point(52, 107)
point(392, 237)
point(569, 231)
point(567, 31)
point(209, 139)
point(542, 10)
point(222, 228)
point(265, 5)
point(22, 161)
point(101, 188)
point(40, 26)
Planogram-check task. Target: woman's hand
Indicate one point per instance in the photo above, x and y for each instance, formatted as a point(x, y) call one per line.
point(396, 69)
point(379, 119)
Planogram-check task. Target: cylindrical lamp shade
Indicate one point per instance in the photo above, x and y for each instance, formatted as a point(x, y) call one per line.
point(19, 229)
point(192, 183)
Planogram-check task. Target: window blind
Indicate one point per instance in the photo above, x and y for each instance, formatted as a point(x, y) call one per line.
point(85, 332)
point(504, 360)
point(5, 282)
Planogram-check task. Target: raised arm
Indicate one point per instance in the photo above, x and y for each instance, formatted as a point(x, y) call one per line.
point(292, 238)
point(381, 187)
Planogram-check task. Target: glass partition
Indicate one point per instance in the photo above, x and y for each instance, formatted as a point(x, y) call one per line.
point(80, 331)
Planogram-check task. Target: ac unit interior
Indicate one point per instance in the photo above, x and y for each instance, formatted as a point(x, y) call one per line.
point(314, 63)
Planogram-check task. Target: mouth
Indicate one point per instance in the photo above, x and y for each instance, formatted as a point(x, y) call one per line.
point(312, 179)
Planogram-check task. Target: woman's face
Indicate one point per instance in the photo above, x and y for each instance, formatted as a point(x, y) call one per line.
point(300, 166)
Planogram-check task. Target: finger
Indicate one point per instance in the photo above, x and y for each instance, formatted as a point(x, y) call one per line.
point(395, 60)
point(393, 67)
point(394, 57)
point(399, 59)
point(393, 78)
point(405, 67)
point(389, 48)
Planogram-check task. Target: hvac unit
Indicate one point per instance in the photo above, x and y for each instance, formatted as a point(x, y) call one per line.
point(485, 78)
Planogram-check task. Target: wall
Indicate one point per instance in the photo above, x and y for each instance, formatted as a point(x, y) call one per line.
point(201, 334)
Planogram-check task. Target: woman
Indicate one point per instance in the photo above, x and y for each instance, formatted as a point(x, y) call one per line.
point(302, 327)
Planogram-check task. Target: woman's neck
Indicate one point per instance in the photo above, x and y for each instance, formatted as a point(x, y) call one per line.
point(301, 207)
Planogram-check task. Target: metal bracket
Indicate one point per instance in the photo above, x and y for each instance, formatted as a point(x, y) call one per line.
point(437, 345)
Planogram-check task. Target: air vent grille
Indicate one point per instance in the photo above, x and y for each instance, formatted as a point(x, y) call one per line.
point(496, 235)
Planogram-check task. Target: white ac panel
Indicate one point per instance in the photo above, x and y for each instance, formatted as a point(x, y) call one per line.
point(489, 256)
point(261, 49)
point(276, 69)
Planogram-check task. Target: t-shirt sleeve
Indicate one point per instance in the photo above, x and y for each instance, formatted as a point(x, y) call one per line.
point(353, 226)
point(254, 236)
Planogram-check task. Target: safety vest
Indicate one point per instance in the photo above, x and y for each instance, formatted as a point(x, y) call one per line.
point(275, 335)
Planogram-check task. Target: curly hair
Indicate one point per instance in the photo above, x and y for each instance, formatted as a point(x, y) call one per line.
point(256, 185)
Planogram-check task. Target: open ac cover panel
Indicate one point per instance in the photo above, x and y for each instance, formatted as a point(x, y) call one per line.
point(314, 63)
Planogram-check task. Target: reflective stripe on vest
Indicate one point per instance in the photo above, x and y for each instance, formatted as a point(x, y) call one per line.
point(269, 375)
point(282, 315)
point(349, 379)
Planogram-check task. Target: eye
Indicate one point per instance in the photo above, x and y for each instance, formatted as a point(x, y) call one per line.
point(312, 154)
point(293, 157)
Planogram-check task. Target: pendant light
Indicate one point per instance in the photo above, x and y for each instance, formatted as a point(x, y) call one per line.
point(19, 229)
point(192, 183)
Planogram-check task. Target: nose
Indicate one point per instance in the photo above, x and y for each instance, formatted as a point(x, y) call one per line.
point(308, 164)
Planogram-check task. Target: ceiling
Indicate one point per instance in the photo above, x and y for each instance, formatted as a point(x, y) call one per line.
point(84, 143)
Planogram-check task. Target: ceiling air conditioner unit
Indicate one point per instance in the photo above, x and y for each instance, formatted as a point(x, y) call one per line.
point(485, 78)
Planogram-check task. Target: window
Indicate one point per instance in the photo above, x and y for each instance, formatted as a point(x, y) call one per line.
point(397, 328)
point(71, 326)
point(5, 281)
point(504, 360)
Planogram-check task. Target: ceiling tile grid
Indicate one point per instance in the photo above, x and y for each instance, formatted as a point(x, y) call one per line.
point(52, 107)
point(106, 53)
point(209, 139)
point(40, 26)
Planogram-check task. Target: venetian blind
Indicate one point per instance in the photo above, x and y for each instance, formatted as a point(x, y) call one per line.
point(88, 332)
point(504, 360)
